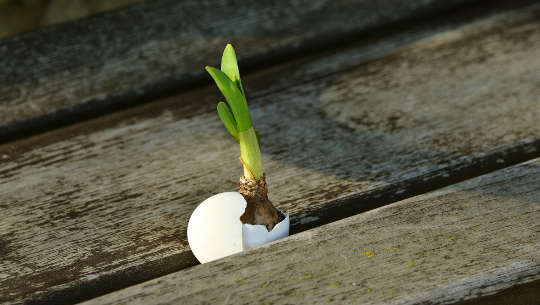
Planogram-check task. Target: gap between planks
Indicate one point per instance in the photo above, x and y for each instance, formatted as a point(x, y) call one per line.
point(476, 242)
point(65, 80)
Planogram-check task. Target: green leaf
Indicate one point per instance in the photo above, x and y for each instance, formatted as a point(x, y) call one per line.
point(250, 152)
point(229, 66)
point(234, 97)
point(227, 118)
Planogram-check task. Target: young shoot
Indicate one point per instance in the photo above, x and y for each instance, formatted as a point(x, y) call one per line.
point(235, 113)
point(237, 120)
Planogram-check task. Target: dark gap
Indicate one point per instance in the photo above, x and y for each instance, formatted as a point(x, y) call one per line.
point(116, 281)
point(332, 211)
point(169, 87)
point(346, 207)
point(522, 294)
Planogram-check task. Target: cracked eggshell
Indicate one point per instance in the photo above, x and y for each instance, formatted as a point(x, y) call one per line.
point(214, 229)
point(256, 235)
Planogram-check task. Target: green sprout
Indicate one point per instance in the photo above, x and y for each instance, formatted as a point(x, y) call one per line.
point(235, 113)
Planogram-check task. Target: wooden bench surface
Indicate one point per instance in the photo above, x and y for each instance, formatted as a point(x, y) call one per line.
point(103, 204)
point(57, 75)
point(429, 249)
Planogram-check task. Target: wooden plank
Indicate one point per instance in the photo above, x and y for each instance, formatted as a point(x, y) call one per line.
point(469, 240)
point(104, 204)
point(64, 73)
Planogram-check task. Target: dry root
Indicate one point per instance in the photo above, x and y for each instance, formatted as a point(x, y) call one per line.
point(259, 210)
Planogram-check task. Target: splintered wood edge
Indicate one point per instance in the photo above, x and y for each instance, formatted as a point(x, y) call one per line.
point(469, 240)
point(68, 72)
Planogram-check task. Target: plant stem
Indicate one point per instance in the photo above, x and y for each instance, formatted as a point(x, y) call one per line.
point(250, 154)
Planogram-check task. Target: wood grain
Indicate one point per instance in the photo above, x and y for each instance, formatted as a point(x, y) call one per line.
point(469, 240)
point(102, 205)
point(61, 74)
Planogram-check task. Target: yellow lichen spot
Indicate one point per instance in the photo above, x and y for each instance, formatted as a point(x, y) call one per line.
point(391, 248)
point(452, 238)
point(336, 284)
point(412, 264)
point(369, 254)
point(240, 279)
point(429, 254)
point(371, 290)
point(308, 276)
point(160, 292)
point(267, 273)
point(266, 284)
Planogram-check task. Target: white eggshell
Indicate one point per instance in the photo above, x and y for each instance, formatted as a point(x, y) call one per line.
point(256, 235)
point(214, 229)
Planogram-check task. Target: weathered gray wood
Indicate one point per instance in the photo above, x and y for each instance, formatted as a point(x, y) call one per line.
point(63, 73)
point(472, 239)
point(104, 204)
